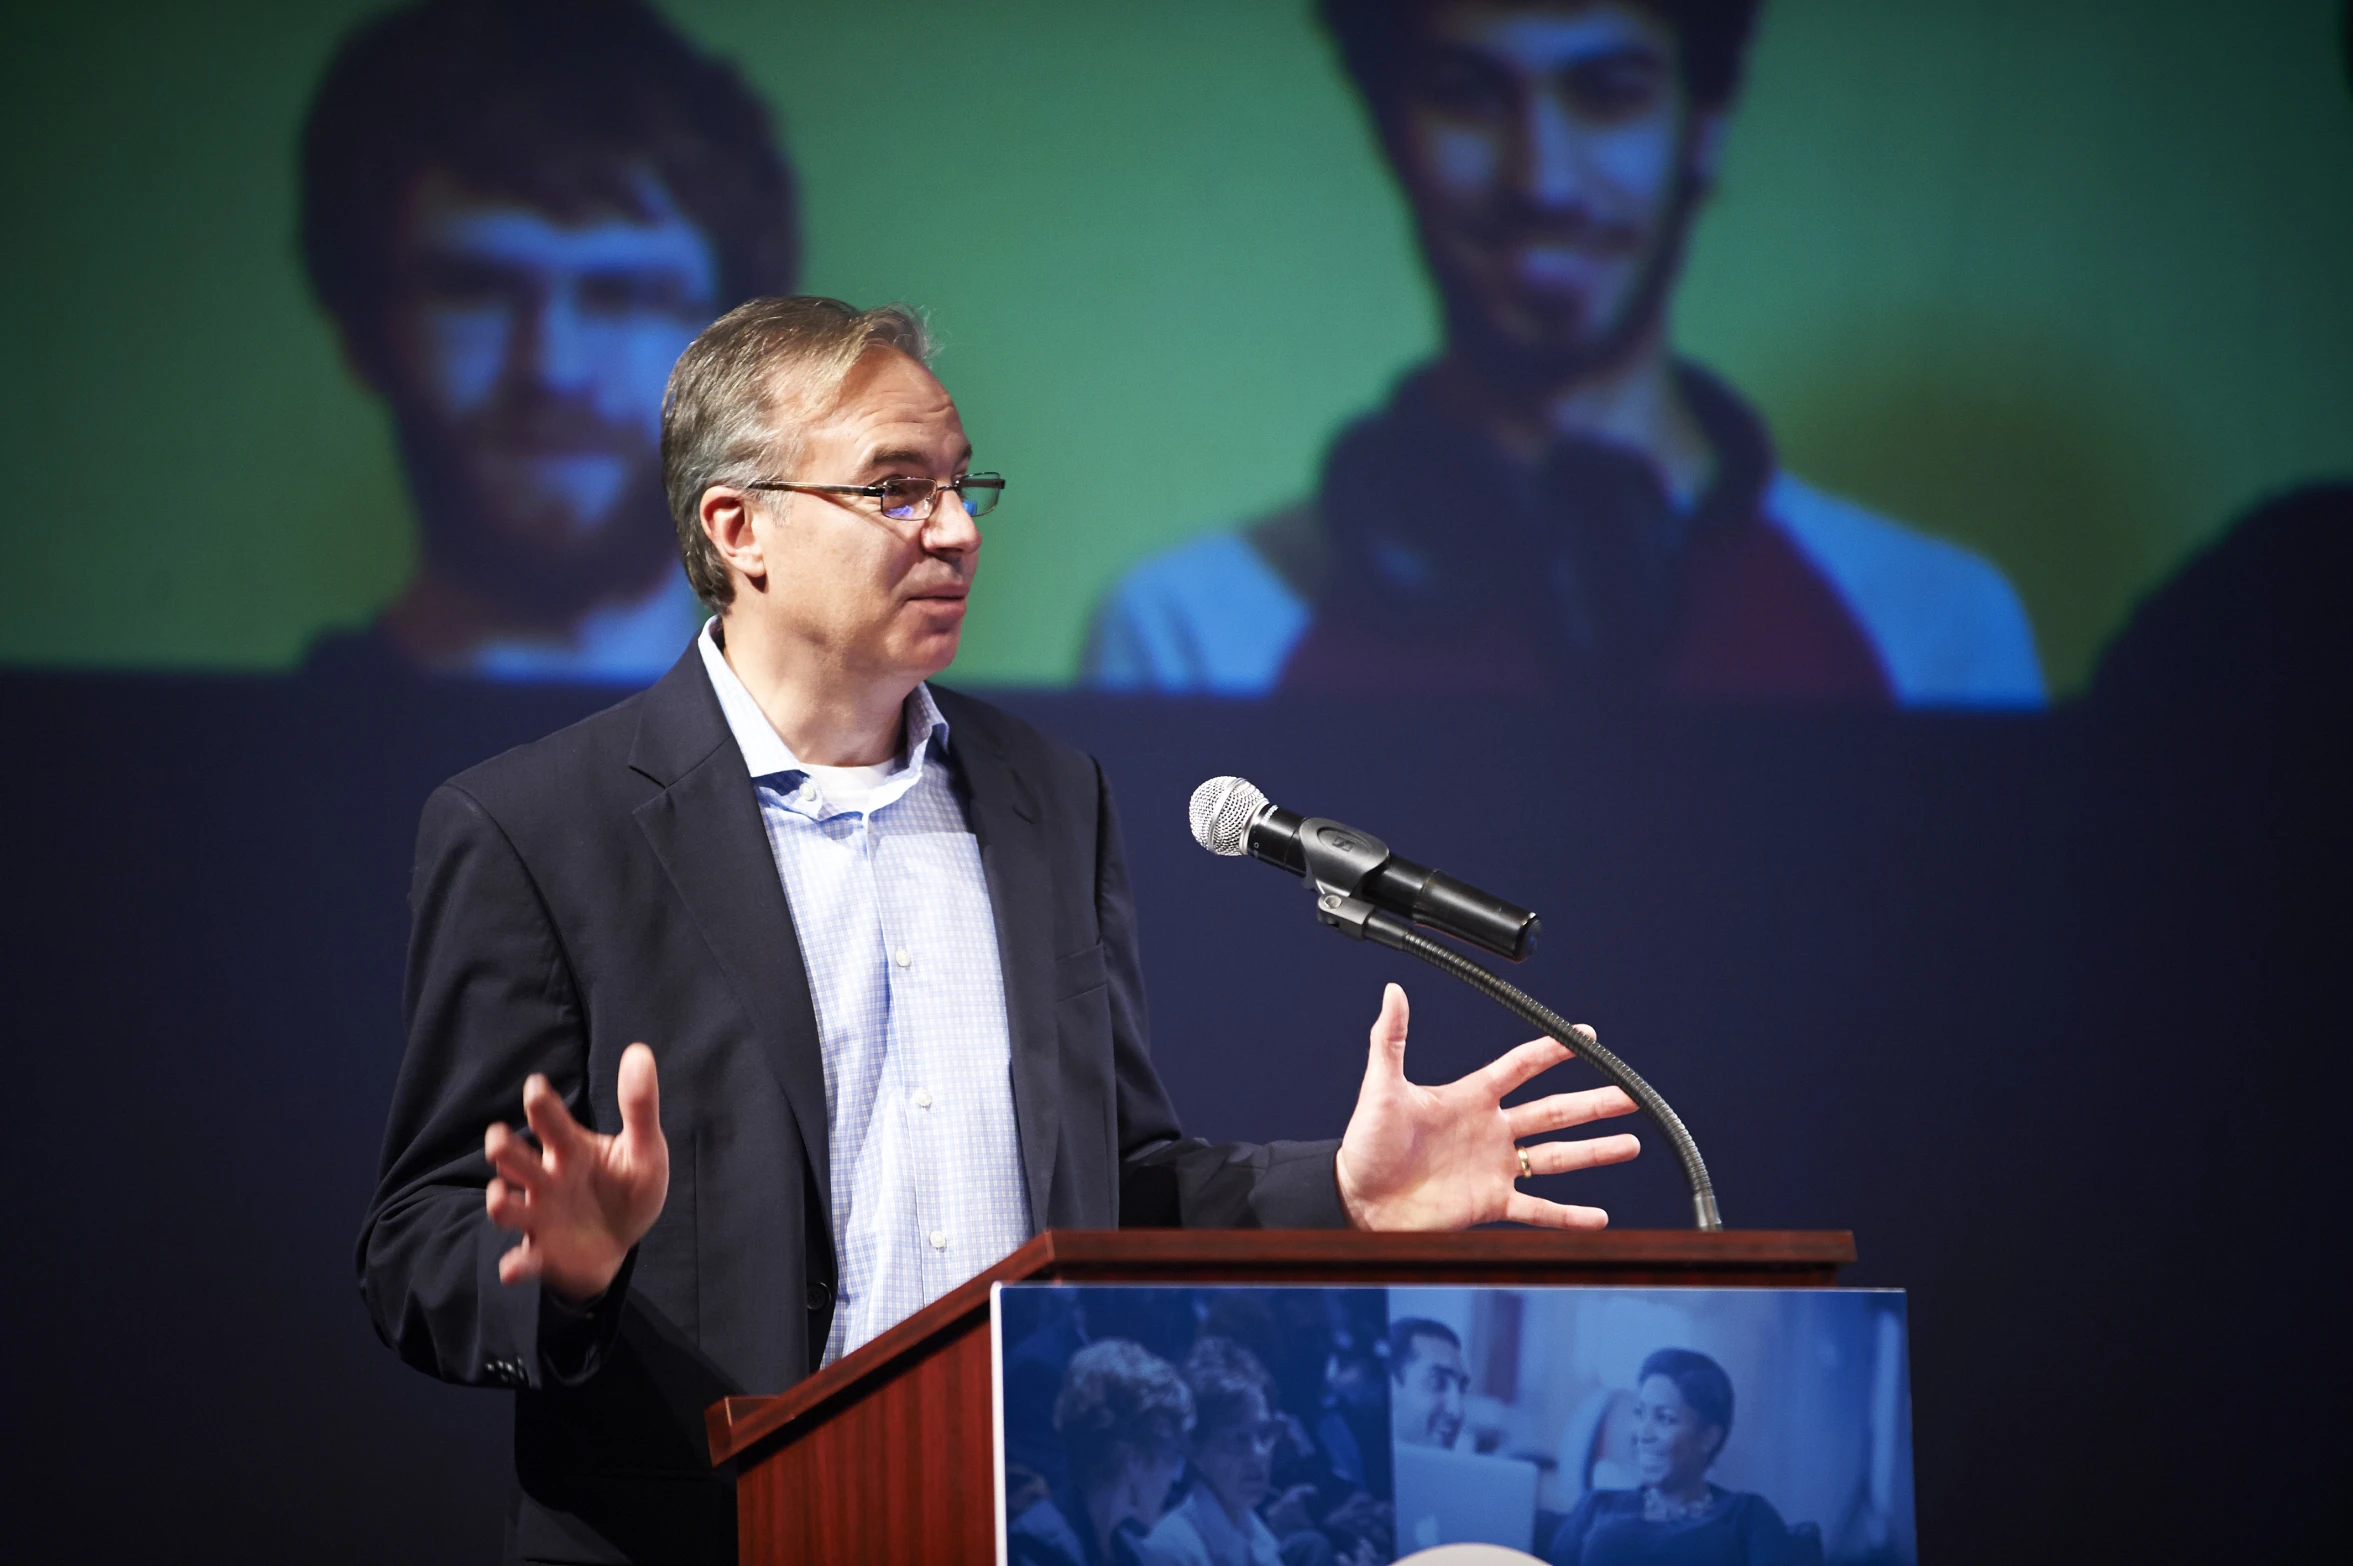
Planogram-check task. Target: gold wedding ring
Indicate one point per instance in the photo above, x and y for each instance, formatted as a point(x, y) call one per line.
point(1526, 1173)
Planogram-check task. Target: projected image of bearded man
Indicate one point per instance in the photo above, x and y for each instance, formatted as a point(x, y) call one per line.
point(1557, 503)
point(517, 213)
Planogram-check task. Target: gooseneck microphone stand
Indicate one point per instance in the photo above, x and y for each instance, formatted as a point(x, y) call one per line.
point(1338, 861)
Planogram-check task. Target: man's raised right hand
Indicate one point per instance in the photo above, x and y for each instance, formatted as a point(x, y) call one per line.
point(580, 1200)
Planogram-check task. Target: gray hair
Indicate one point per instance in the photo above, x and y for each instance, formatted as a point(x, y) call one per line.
point(741, 395)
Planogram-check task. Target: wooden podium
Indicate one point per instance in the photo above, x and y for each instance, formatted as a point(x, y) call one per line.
point(889, 1454)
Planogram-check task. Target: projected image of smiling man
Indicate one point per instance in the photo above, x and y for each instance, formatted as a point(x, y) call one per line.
point(1558, 503)
point(1553, 168)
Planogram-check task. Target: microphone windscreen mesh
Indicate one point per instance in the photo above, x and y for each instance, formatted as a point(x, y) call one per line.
point(1222, 811)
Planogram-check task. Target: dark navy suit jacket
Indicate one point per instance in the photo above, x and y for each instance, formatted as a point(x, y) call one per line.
point(612, 883)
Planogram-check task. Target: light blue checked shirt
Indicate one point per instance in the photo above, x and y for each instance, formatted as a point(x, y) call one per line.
point(900, 945)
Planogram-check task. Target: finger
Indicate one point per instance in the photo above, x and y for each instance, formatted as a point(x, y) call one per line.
point(558, 1132)
point(506, 1204)
point(1566, 1157)
point(1540, 1214)
point(1387, 1062)
point(1563, 1110)
point(641, 1095)
point(1508, 1070)
point(520, 1165)
point(524, 1261)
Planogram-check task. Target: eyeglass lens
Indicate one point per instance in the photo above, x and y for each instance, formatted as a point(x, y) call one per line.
point(905, 499)
point(981, 491)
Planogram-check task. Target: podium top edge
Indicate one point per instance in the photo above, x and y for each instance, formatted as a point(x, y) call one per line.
point(1305, 1257)
point(1061, 1253)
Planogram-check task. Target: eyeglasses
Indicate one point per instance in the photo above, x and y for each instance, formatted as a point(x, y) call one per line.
point(910, 499)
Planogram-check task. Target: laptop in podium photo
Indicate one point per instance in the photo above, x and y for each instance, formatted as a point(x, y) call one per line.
point(1446, 1497)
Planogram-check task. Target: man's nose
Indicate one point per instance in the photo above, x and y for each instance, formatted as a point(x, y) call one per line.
point(951, 528)
point(1549, 162)
point(551, 348)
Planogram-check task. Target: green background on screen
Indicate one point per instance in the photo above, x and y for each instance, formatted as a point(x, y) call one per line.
point(2065, 282)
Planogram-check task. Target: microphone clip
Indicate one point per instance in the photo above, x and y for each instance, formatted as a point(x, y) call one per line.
point(1340, 860)
point(1362, 921)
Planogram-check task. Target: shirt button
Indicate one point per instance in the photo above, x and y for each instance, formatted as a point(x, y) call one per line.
point(903, 957)
point(939, 1239)
point(923, 1098)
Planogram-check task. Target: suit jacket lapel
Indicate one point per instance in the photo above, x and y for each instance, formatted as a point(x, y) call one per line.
point(705, 828)
point(1004, 813)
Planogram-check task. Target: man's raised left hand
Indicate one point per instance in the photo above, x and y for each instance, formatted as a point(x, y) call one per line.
point(1449, 1157)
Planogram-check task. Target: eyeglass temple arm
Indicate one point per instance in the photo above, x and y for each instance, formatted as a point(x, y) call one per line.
point(828, 489)
point(977, 480)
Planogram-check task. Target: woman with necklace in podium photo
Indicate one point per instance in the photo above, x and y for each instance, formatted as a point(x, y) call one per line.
point(1682, 1415)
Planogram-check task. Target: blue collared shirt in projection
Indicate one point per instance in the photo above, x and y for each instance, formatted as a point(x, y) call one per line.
point(900, 944)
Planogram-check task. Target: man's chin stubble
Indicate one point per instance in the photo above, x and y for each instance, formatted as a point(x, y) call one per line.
point(1538, 363)
point(1544, 355)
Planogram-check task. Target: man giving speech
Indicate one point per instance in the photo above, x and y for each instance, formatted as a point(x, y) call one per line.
point(817, 986)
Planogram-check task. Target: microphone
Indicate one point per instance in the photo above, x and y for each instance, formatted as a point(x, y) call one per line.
point(1231, 816)
point(1367, 893)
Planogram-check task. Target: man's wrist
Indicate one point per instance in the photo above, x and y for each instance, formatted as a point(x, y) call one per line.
point(1359, 1216)
point(579, 1295)
point(566, 1305)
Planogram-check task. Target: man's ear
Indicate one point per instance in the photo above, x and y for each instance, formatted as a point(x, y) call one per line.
point(727, 514)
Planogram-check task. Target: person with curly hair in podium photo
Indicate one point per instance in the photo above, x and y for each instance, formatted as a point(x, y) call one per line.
point(1123, 1414)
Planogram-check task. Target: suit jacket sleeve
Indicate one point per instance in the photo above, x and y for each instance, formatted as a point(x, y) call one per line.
point(1168, 1180)
point(490, 999)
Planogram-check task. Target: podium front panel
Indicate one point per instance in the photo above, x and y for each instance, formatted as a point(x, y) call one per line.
point(885, 1456)
point(1560, 1423)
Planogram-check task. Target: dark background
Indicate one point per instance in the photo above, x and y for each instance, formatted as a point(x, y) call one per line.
point(2047, 1010)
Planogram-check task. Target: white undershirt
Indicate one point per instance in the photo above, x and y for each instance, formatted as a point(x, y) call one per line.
point(849, 788)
